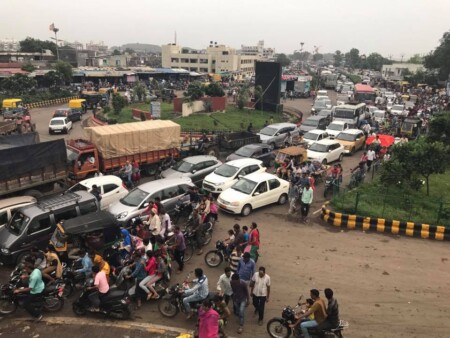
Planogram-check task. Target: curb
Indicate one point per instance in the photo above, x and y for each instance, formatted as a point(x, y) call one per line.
point(151, 328)
point(411, 229)
point(47, 103)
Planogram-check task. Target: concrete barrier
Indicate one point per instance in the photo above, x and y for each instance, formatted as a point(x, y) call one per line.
point(395, 227)
point(49, 103)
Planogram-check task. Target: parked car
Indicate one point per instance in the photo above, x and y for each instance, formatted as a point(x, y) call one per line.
point(314, 122)
point(275, 134)
point(326, 151)
point(352, 140)
point(9, 205)
point(59, 125)
point(259, 151)
point(314, 135)
point(111, 188)
point(72, 115)
point(253, 191)
point(170, 191)
point(399, 110)
point(193, 167)
point(336, 127)
point(228, 173)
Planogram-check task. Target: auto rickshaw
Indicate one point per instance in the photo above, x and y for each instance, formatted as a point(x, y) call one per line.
point(297, 153)
point(78, 105)
point(411, 127)
point(13, 107)
point(92, 98)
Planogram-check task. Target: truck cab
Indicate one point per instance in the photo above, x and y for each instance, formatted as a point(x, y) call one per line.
point(83, 159)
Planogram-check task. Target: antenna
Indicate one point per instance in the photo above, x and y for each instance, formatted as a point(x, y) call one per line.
point(402, 55)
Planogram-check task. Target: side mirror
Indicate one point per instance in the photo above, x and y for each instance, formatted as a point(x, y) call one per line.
point(240, 176)
point(194, 171)
point(256, 193)
point(277, 134)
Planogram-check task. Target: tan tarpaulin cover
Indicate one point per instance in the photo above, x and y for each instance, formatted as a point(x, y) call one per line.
point(133, 138)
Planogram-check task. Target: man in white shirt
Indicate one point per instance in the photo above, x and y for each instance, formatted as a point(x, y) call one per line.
point(371, 156)
point(166, 224)
point(260, 290)
point(224, 286)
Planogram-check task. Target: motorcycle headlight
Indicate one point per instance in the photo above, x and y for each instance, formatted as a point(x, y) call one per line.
point(122, 215)
point(5, 251)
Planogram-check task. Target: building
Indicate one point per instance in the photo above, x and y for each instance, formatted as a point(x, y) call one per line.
point(218, 59)
point(98, 47)
point(396, 71)
point(9, 45)
point(258, 50)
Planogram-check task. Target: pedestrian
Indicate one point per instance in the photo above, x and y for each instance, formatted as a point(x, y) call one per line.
point(307, 198)
point(208, 320)
point(253, 242)
point(224, 286)
point(35, 288)
point(224, 312)
point(246, 268)
point(371, 156)
point(260, 290)
point(241, 299)
point(96, 192)
point(179, 247)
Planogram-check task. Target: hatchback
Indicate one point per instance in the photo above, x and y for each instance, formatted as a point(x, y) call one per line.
point(59, 125)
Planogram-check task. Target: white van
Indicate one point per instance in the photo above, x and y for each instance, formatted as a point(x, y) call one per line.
point(9, 205)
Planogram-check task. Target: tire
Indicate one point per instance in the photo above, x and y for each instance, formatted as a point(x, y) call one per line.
point(21, 257)
point(7, 306)
point(283, 199)
point(212, 152)
point(276, 329)
point(208, 238)
point(341, 157)
point(352, 152)
point(65, 131)
point(167, 308)
point(213, 259)
point(246, 210)
point(78, 310)
point(188, 253)
point(53, 304)
point(68, 289)
point(34, 193)
point(50, 132)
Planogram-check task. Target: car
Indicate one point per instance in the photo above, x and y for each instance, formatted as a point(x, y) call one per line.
point(228, 173)
point(389, 105)
point(9, 205)
point(275, 134)
point(314, 122)
point(326, 151)
point(320, 104)
point(379, 116)
point(314, 135)
point(253, 191)
point(111, 188)
point(326, 113)
point(72, 115)
point(336, 127)
point(59, 125)
point(259, 151)
point(194, 167)
point(399, 110)
point(351, 139)
point(168, 190)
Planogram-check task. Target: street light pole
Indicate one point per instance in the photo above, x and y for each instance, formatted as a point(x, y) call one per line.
point(56, 30)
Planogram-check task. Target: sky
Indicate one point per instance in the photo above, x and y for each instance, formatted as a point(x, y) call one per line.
point(389, 27)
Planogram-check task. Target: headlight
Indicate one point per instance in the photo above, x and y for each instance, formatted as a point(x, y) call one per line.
point(122, 215)
point(5, 251)
point(235, 204)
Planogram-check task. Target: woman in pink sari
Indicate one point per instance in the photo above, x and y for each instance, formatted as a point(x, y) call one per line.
point(208, 321)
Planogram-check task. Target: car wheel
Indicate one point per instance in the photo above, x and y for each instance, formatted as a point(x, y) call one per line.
point(324, 162)
point(282, 200)
point(341, 157)
point(246, 210)
point(50, 131)
point(65, 131)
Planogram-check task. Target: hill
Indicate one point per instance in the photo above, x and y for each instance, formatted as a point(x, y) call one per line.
point(142, 47)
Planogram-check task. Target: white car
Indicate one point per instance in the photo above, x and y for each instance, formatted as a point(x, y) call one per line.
point(253, 191)
point(275, 134)
point(229, 173)
point(314, 135)
point(326, 151)
point(399, 110)
point(379, 116)
point(336, 127)
point(111, 188)
point(59, 125)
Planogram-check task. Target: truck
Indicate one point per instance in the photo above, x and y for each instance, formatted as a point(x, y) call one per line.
point(7, 127)
point(302, 88)
point(108, 148)
point(28, 167)
point(330, 81)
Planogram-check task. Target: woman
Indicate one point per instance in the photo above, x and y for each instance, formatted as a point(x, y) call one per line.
point(150, 268)
point(213, 210)
point(253, 242)
point(127, 245)
point(208, 320)
point(204, 208)
point(159, 273)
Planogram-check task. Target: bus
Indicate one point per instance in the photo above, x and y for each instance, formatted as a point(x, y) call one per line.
point(364, 93)
point(353, 114)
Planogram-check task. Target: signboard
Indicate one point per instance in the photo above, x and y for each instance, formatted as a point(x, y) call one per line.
point(155, 109)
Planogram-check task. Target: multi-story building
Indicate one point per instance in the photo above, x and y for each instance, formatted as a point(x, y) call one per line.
point(7, 45)
point(259, 50)
point(98, 47)
point(218, 59)
point(396, 71)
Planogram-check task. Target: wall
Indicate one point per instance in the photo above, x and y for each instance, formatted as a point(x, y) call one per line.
point(192, 107)
point(217, 103)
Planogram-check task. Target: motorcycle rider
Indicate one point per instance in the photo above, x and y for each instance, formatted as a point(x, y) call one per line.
point(53, 264)
point(199, 229)
point(35, 288)
point(86, 262)
point(197, 293)
point(100, 287)
point(332, 319)
point(318, 309)
point(40, 261)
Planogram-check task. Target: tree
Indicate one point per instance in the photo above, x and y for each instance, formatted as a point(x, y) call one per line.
point(28, 67)
point(194, 91)
point(259, 92)
point(416, 58)
point(375, 61)
point(118, 103)
point(116, 52)
point(129, 50)
point(140, 90)
point(283, 60)
point(53, 79)
point(30, 45)
point(352, 58)
point(439, 58)
point(243, 97)
point(338, 57)
point(439, 128)
point(65, 69)
point(18, 84)
point(317, 57)
point(214, 90)
point(301, 56)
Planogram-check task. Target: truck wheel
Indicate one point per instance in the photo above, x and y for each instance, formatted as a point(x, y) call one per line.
point(35, 193)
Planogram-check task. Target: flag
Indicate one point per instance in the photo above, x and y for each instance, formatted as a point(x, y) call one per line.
point(52, 27)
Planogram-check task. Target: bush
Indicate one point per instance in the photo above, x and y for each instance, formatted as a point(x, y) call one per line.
point(118, 103)
point(106, 110)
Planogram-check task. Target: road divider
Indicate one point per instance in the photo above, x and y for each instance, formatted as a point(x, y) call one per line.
point(48, 103)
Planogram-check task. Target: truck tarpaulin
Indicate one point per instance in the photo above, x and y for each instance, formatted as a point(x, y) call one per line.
point(26, 159)
point(10, 141)
point(133, 138)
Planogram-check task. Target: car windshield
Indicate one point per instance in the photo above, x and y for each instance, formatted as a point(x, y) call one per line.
point(226, 170)
point(312, 123)
point(346, 137)
point(244, 186)
point(18, 222)
point(134, 198)
point(344, 113)
point(311, 136)
point(244, 152)
point(321, 103)
point(60, 113)
point(78, 187)
point(317, 147)
point(336, 126)
point(71, 155)
point(268, 131)
point(183, 167)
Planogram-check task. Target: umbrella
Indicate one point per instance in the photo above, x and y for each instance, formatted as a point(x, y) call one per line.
point(385, 140)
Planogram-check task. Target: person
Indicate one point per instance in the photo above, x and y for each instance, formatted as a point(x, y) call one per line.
point(194, 197)
point(128, 171)
point(241, 299)
point(364, 157)
point(230, 238)
point(246, 237)
point(100, 262)
point(155, 222)
point(139, 275)
point(35, 288)
point(371, 156)
point(53, 264)
point(292, 196)
point(142, 232)
point(179, 247)
point(254, 242)
point(238, 239)
point(250, 128)
point(86, 262)
point(126, 244)
point(166, 224)
point(213, 210)
point(150, 268)
point(334, 172)
point(40, 261)
point(98, 173)
point(100, 286)
point(96, 192)
point(260, 290)
point(266, 123)
point(332, 319)
point(224, 313)
point(136, 173)
point(403, 140)
point(159, 273)
point(199, 229)
point(318, 309)
point(307, 198)
point(204, 208)
point(246, 268)
point(208, 320)
point(224, 286)
point(197, 293)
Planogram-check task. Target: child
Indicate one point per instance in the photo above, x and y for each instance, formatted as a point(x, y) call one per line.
point(230, 238)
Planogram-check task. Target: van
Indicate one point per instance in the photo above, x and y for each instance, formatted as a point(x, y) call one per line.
point(314, 122)
point(9, 205)
point(34, 224)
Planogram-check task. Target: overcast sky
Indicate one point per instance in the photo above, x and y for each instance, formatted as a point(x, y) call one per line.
point(390, 27)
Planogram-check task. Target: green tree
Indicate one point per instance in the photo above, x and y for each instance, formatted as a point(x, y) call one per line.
point(18, 84)
point(140, 90)
point(301, 56)
point(338, 57)
point(118, 103)
point(53, 79)
point(194, 91)
point(30, 45)
point(283, 60)
point(317, 57)
point(416, 58)
point(352, 58)
point(65, 69)
point(214, 89)
point(439, 58)
point(375, 61)
point(258, 94)
point(439, 128)
point(116, 52)
point(28, 67)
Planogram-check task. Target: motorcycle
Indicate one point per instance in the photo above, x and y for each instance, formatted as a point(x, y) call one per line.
point(73, 280)
point(115, 304)
point(330, 183)
point(214, 258)
point(357, 178)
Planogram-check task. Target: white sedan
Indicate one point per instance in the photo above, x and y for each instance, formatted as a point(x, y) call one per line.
point(326, 151)
point(253, 191)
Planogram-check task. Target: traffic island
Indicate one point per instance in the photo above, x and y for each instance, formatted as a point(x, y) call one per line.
point(411, 229)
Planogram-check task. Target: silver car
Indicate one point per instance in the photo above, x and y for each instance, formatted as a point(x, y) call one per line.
point(275, 134)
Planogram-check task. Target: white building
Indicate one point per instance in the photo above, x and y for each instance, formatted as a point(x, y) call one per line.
point(396, 71)
point(259, 50)
point(218, 59)
point(8, 45)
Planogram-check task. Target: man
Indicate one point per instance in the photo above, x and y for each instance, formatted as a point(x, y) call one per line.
point(35, 287)
point(53, 264)
point(179, 248)
point(241, 299)
point(128, 171)
point(40, 261)
point(100, 287)
point(224, 313)
point(96, 192)
point(166, 225)
point(307, 198)
point(246, 268)
point(155, 222)
point(371, 156)
point(260, 290)
point(194, 198)
point(318, 309)
point(224, 286)
point(197, 293)
point(86, 262)
point(332, 319)
point(238, 240)
point(197, 226)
